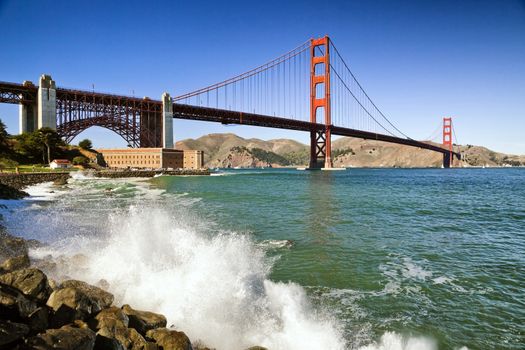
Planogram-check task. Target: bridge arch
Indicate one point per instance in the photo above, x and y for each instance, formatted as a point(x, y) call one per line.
point(129, 132)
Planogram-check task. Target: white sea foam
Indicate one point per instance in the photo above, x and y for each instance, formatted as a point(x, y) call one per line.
point(442, 280)
point(82, 175)
point(215, 288)
point(412, 270)
point(276, 243)
point(45, 191)
point(394, 341)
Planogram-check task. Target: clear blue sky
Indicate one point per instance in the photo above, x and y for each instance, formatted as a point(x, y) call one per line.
point(418, 60)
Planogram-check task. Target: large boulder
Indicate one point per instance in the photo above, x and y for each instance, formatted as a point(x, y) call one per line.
point(198, 345)
point(169, 339)
point(15, 263)
point(108, 343)
point(65, 338)
point(129, 338)
point(11, 246)
point(143, 321)
point(31, 282)
point(110, 318)
point(77, 300)
point(38, 320)
point(8, 192)
point(14, 305)
point(11, 333)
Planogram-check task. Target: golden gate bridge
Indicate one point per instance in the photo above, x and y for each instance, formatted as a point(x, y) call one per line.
point(310, 88)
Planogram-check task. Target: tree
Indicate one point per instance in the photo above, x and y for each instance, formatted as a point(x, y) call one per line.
point(42, 142)
point(80, 160)
point(85, 144)
point(4, 136)
point(28, 145)
point(51, 140)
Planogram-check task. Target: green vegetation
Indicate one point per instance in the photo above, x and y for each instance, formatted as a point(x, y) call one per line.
point(33, 151)
point(85, 144)
point(80, 160)
point(342, 152)
point(492, 157)
point(265, 156)
point(40, 145)
point(4, 138)
point(298, 158)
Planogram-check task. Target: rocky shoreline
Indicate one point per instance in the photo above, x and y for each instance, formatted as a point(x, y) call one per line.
point(11, 185)
point(20, 181)
point(37, 312)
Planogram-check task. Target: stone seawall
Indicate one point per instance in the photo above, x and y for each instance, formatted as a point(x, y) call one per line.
point(19, 181)
point(148, 173)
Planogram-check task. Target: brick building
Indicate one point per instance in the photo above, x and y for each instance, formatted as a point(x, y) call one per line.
point(154, 158)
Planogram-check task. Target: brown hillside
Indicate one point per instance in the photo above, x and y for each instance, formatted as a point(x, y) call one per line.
point(230, 150)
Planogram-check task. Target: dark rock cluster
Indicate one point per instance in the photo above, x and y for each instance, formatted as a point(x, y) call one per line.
point(8, 192)
point(38, 313)
point(19, 181)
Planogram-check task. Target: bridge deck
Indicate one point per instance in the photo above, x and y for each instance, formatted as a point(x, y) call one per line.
point(182, 111)
point(25, 93)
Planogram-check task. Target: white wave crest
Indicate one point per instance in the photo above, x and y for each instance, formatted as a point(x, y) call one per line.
point(214, 288)
point(394, 341)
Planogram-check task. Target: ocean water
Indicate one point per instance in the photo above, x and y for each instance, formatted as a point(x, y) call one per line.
point(360, 259)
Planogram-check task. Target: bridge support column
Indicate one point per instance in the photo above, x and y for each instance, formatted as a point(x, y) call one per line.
point(27, 118)
point(167, 121)
point(46, 101)
point(447, 159)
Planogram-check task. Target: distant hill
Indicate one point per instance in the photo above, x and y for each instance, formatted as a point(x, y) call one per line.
point(230, 150)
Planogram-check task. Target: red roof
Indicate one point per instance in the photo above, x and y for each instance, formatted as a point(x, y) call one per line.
point(61, 161)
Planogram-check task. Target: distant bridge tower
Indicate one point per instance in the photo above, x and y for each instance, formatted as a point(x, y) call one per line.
point(320, 140)
point(447, 142)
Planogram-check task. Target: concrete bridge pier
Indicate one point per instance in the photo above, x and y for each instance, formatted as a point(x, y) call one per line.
point(27, 117)
point(167, 121)
point(46, 100)
point(447, 159)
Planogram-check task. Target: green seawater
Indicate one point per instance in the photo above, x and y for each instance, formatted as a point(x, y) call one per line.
point(437, 254)
point(433, 252)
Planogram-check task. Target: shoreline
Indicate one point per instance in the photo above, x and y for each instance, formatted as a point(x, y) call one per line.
point(38, 312)
point(12, 185)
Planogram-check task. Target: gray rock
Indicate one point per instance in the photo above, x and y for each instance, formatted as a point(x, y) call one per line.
point(143, 321)
point(31, 282)
point(65, 338)
point(169, 339)
point(11, 333)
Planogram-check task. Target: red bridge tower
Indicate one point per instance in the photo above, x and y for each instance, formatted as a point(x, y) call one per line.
point(447, 142)
point(320, 140)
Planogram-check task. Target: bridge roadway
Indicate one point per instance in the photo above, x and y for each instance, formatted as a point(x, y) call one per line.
point(20, 93)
